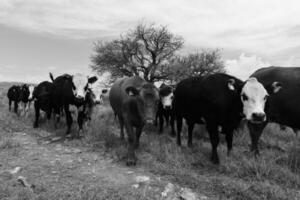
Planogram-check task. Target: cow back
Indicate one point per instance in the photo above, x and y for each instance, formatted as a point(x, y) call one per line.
point(198, 97)
point(117, 93)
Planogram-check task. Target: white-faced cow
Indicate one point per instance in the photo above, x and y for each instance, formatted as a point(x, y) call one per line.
point(70, 90)
point(26, 97)
point(94, 97)
point(283, 107)
point(134, 101)
point(221, 100)
point(165, 105)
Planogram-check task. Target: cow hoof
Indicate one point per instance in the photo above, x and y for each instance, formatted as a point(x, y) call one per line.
point(172, 134)
point(137, 145)
point(131, 162)
point(215, 160)
point(190, 145)
point(35, 126)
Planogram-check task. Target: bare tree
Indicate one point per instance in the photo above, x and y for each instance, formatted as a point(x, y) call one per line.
point(207, 61)
point(143, 51)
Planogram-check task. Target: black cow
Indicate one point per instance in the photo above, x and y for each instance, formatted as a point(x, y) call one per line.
point(14, 95)
point(283, 108)
point(134, 101)
point(70, 90)
point(165, 105)
point(42, 100)
point(221, 100)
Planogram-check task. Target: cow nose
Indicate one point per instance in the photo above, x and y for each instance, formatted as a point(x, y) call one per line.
point(258, 117)
point(97, 102)
point(79, 97)
point(168, 107)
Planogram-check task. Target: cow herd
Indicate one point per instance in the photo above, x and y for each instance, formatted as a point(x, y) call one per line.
point(219, 101)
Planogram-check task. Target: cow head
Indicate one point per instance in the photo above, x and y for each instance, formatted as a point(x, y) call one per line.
point(166, 96)
point(81, 84)
point(147, 98)
point(24, 93)
point(254, 97)
point(30, 88)
point(98, 92)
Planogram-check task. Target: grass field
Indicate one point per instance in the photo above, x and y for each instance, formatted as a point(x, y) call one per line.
point(274, 175)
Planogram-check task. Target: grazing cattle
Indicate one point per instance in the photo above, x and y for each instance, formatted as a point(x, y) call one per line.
point(134, 101)
point(42, 100)
point(221, 100)
point(70, 90)
point(165, 105)
point(14, 95)
point(283, 107)
point(26, 97)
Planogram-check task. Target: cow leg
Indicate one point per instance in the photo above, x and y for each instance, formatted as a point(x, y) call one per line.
point(37, 114)
point(229, 136)
point(167, 118)
point(212, 129)
point(16, 107)
point(161, 123)
point(138, 135)
point(56, 112)
point(255, 131)
point(156, 118)
point(121, 122)
point(68, 119)
point(179, 127)
point(9, 104)
point(190, 133)
point(131, 158)
point(172, 122)
point(80, 120)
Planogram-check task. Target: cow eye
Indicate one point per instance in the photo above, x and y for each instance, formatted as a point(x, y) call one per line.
point(244, 97)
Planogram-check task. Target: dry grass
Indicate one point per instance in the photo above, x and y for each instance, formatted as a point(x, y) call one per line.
point(274, 175)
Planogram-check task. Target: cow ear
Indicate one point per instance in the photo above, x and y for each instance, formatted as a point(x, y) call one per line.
point(274, 87)
point(104, 91)
point(230, 84)
point(92, 79)
point(132, 91)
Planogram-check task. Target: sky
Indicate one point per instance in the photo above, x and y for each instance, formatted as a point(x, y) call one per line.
point(42, 36)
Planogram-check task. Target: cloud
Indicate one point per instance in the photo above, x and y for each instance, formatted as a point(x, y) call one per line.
point(267, 29)
point(245, 65)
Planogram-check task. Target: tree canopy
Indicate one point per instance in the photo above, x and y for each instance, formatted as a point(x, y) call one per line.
point(144, 51)
point(150, 51)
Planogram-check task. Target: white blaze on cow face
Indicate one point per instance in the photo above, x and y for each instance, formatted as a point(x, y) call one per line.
point(31, 88)
point(80, 85)
point(254, 96)
point(167, 101)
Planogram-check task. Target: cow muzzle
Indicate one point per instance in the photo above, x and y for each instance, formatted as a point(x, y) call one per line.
point(149, 121)
point(258, 117)
point(79, 99)
point(167, 107)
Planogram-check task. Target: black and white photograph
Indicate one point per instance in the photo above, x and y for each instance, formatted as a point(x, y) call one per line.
point(149, 100)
